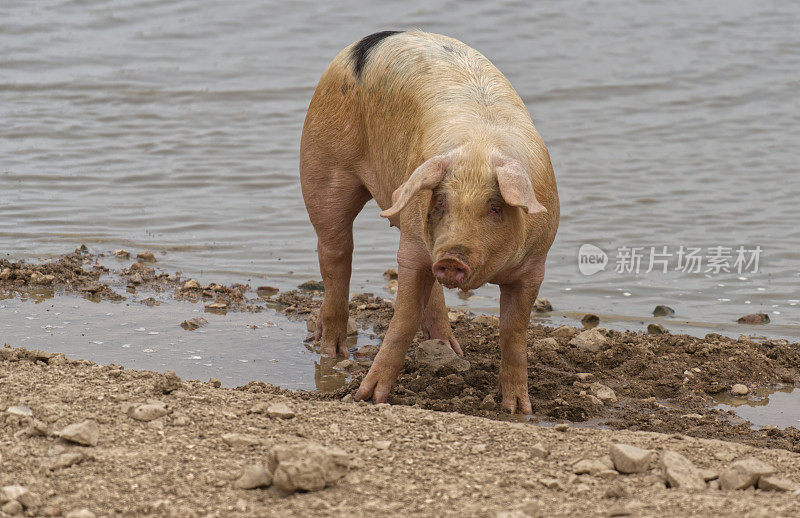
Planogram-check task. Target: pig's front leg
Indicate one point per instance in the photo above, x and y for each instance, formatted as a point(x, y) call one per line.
point(516, 302)
point(414, 287)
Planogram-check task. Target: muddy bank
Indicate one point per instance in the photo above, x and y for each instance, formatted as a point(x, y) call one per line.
point(166, 447)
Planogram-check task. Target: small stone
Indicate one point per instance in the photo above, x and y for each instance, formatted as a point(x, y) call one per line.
point(478, 448)
point(680, 472)
point(240, 440)
point(352, 328)
point(488, 403)
point(391, 286)
point(552, 483)
point(539, 451)
point(590, 340)
point(754, 319)
point(307, 467)
point(437, 355)
point(382, 445)
point(214, 382)
point(180, 420)
point(86, 433)
point(663, 311)
point(20, 410)
point(66, 460)
point(542, 306)
point(148, 412)
point(744, 473)
point(253, 477)
point(121, 253)
point(50, 511)
point(590, 321)
point(561, 427)
point(5, 274)
point(146, 256)
point(346, 365)
point(565, 332)
point(593, 466)
point(167, 383)
point(767, 483)
point(312, 286)
point(629, 459)
point(12, 492)
point(267, 291)
point(488, 320)
point(367, 351)
point(29, 500)
point(80, 513)
point(603, 393)
point(191, 284)
point(739, 390)
point(656, 329)
point(348, 398)
point(13, 508)
point(548, 343)
point(280, 410)
point(218, 306)
point(584, 376)
point(390, 274)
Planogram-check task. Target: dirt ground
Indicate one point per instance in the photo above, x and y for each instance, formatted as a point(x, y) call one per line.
point(443, 446)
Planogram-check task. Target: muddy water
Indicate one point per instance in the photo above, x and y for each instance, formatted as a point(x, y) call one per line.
point(174, 125)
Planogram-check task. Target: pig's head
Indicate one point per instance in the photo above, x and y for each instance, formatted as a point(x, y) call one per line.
point(475, 223)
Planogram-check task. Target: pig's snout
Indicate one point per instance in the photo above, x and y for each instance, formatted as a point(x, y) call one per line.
point(450, 271)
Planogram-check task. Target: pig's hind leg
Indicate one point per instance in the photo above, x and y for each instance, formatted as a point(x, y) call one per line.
point(435, 323)
point(333, 199)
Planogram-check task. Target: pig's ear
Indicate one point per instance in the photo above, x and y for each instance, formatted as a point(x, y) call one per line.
point(426, 176)
point(515, 185)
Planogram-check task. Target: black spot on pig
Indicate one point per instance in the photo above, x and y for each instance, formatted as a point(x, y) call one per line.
point(360, 51)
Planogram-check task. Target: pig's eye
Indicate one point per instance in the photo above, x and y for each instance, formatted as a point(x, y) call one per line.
point(495, 209)
point(440, 204)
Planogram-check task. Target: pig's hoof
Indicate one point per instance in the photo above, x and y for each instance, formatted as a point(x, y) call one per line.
point(333, 348)
point(375, 387)
point(443, 332)
point(516, 399)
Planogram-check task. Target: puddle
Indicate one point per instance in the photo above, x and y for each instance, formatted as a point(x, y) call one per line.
point(235, 347)
point(779, 407)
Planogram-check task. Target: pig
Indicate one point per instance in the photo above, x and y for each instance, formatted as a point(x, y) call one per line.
point(431, 130)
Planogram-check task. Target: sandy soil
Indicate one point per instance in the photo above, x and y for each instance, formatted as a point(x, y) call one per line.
point(442, 448)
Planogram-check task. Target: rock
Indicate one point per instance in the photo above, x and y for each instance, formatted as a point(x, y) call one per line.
point(5, 274)
point(437, 355)
point(542, 306)
point(390, 274)
point(352, 328)
point(12, 492)
point(603, 393)
point(565, 332)
point(240, 440)
point(739, 390)
point(382, 445)
point(12, 508)
point(663, 311)
point(267, 291)
point(307, 467)
point(191, 284)
point(148, 412)
point(312, 286)
point(280, 410)
point(20, 410)
point(346, 365)
point(656, 329)
point(488, 403)
point(146, 256)
point(590, 340)
point(214, 382)
point(754, 319)
point(86, 433)
point(584, 376)
point(767, 483)
point(680, 472)
point(561, 427)
point(593, 466)
point(391, 286)
point(549, 342)
point(539, 451)
point(218, 306)
point(488, 320)
point(121, 253)
point(253, 477)
point(629, 459)
point(167, 383)
point(66, 460)
point(258, 408)
point(590, 320)
point(80, 513)
point(744, 473)
point(29, 500)
point(367, 351)
point(50, 511)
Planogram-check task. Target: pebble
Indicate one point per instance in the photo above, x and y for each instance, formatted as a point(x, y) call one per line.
point(663, 311)
point(565, 332)
point(146, 256)
point(561, 427)
point(391, 286)
point(13, 508)
point(590, 320)
point(542, 306)
point(191, 284)
point(253, 477)
point(584, 376)
point(148, 412)
point(217, 306)
point(240, 440)
point(122, 254)
point(629, 459)
point(744, 473)
point(489, 320)
point(280, 410)
point(367, 351)
point(307, 467)
point(259, 408)
point(390, 274)
point(346, 364)
point(214, 382)
point(656, 329)
point(352, 328)
point(66, 460)
point(488, 403)
point(20, 410)
point(435, 354)
point(86, 433)
point(539, 451)
point(12, 492)
point(754, 319)
point(768, 483)
point(194, 323)
point(680, 472)
point(590, 466)
point(603, 393)
point(80, 513)
point(549, 342)
point(590, 340)
point(382, 445)
point(739, 390)
point(312, 286)
point(266, 291)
